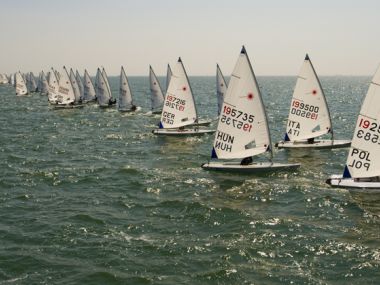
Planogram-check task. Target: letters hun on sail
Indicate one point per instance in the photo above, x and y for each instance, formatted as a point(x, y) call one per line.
point(364, 155)
point(242, 128)
point(179, 106)
point(309, 115)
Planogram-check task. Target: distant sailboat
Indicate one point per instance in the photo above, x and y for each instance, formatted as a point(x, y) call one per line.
point(53, 87)
point(66, 93)
point(221, 88)
point(88, 89)
point(125, 103)
point(3, 79)
point(243, 130)
point(32, 83)
point(168, 77)
point(74, 83)
point(157, 97)
point(103, 91)
point(309, 116)
point(362, 168)
point(179, 109)
point(44, 86)
point(80, 84)
point(21, 88)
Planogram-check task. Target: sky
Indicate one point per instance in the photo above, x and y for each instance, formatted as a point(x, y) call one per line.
point(341, 37)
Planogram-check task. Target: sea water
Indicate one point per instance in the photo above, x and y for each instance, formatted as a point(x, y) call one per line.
point(91, 196)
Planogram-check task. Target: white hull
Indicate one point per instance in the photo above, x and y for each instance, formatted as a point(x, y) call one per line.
point(339, 181)
point(127, 110)
point(204, 122)
point(317, 144)
point(22, 94)
point(250, 168)
point(63, 107)
point(183, 132)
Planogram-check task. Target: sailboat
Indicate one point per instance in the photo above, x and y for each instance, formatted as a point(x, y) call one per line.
point(221, 88)
point(53, 87)
point(362, 168)
point(88, 89)
point(309, 116)
point(74, 83)
point(20, 83)
point(243, 131)
point(125, 103)
point(80, 84)
point(179, 109)
point(157, 97)
point(3, 78)
point(103, 91)
point(44, 86)
point(66, 93)
point(168, 76)
point(32, 83)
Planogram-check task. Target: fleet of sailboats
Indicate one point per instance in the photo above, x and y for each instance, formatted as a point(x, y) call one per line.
point(242, 141)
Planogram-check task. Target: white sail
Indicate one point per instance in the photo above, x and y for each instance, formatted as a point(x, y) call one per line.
point(157, 97)
point(179, 107)
point(242, 128)
point(21, 88)
point(3, 79)
point(221, 87)
point(66, 93)
point(168, 76)
point(80, 84)
point(102, 91)
point(88, 88)
point(32, 82)
point(53, 87)
point(13, 79)
point(309, 114)
point(125, 96)
point(364, 155)
point(44, 86)
point(74, 83)
point(105, 76)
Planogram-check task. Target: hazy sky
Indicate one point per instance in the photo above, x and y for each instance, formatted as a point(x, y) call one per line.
point(341, 36)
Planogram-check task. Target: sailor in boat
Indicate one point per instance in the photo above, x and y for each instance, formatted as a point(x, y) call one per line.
point(246, 161)
point(111, 101)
